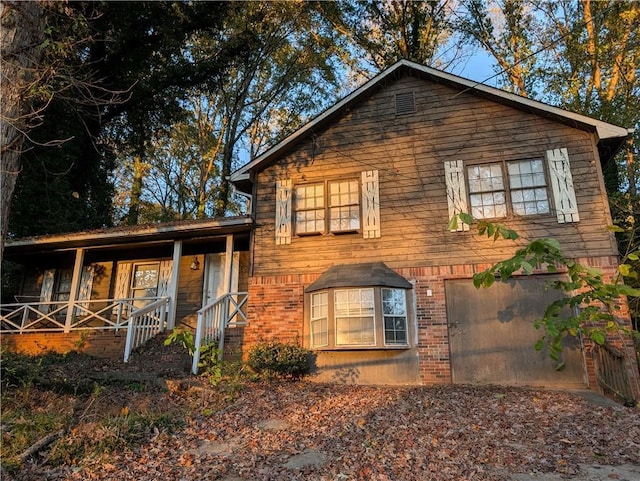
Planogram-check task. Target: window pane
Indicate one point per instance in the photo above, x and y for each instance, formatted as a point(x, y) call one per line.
point(309, 221)
point(145, 276)
point(486, 187)
point(145, 282)
point(354, 311)
point(319, 319)
point(395, 316)
point(355, 331)
point(309, 209)
point(344, 203)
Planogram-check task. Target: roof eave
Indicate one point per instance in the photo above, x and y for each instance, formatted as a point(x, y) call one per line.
point(220, 226)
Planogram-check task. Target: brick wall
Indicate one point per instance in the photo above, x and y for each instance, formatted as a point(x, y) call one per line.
point(106, 344)
point(276, 311)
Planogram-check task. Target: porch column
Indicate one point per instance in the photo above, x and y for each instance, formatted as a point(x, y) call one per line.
point(173, 285)
point(75, 288)
point(228, 264)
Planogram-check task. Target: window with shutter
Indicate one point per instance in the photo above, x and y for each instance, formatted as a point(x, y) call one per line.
point(335, 206)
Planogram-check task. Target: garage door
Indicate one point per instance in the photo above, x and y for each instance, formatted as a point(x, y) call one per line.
point(491, 335)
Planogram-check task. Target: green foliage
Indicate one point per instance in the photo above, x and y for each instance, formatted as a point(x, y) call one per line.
point(184, 337)
point(210, 360)
point(279, 358)
point(211, 363)
point(591, 304)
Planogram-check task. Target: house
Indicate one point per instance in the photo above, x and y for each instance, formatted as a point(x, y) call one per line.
point(348, 250)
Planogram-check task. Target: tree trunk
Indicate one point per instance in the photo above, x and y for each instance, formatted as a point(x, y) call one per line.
point(135, 199)
point(21, 34)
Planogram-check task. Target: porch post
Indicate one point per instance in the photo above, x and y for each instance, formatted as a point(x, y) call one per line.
point(75, 287)
point(173, 285)
point(228, 265)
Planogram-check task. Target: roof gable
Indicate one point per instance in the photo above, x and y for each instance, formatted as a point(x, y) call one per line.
point(605, 132)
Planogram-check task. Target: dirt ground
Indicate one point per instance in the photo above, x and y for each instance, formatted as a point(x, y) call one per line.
point(150, 420)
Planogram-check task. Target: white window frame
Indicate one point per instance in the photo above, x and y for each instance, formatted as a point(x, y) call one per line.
point(507, 188)
point(322, 309)
point(350, 200)
point(133, 287)
point(359, 307)
point(319, 317)
point(401, 314)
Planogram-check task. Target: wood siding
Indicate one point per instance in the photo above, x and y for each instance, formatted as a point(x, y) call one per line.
point(409, 152)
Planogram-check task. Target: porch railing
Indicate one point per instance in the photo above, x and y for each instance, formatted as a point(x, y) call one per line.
point(611, 373)
point(52, 316)
point(144, 324)
point(226, 311)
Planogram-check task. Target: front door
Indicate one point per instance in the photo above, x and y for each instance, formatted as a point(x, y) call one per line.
point(216, 281)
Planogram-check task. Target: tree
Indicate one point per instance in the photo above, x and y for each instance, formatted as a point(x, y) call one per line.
point(505, 29)
point(271, 88)
point(386, 32)
point(20, 38)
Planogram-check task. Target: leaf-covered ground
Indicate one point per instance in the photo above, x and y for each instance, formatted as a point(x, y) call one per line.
point(308, 431)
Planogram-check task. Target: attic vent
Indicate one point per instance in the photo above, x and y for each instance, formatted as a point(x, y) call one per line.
point(405, 103)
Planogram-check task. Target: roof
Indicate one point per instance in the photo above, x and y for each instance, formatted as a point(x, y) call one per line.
point(357, 275)
point(606, 132)
point(123, 235)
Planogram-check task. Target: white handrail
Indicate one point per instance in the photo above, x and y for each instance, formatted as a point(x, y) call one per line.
point(214, 318)
point(144, 324)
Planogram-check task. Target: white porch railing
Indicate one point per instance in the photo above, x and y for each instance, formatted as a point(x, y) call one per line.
point(226, 311)
point(144, 324)
point(141, 323)
point(94, 314)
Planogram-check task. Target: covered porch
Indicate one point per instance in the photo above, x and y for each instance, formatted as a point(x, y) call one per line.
point(117, 288)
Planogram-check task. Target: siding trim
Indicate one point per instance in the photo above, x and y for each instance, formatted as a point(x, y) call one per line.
point(283, 211)
point(456, 191)
point(562, 183)
point(370, 205)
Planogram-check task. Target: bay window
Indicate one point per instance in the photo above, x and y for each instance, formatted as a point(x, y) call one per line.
point(358, 318)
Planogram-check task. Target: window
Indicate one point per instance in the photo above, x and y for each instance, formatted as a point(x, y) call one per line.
point(309, 207)
point(313, 207)
point(62, 290)
point(344, 206)
point(526, 188)
point(371, 317)
point(394, 313)
point(355, 317)
point(144, 282)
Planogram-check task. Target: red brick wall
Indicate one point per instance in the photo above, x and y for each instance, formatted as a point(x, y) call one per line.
point(276, 311)
point(106, 344)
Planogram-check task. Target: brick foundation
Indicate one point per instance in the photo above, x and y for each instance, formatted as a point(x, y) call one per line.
point(276, 311)
point(106, 344)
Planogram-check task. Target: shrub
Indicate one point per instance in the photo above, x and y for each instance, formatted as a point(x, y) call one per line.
point(280, 358)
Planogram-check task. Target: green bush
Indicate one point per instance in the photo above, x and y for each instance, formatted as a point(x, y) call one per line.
point(286, 359)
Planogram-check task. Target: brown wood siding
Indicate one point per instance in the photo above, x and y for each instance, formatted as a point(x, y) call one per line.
point(189, 291)
point(409, 152)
